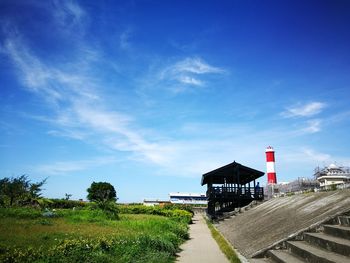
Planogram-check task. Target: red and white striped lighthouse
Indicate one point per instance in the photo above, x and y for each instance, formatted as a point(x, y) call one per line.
point(270, 165)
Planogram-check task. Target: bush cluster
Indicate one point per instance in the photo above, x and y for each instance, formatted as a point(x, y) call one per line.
point(169, 211)
point(188, 208)
point(93, 212)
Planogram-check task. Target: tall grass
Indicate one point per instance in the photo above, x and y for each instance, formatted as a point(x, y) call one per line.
point(20, 212)
point(85, 235)
point(174, 211)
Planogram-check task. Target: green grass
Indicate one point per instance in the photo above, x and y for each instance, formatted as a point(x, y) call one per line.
point(88, 236)
point(225, 247)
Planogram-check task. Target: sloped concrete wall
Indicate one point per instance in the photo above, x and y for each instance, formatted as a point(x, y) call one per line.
point(276, 219)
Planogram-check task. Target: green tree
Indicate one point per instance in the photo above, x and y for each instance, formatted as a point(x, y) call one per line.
point(105, 196)
point(19, 190)
point(101, 192)
point(68, 196)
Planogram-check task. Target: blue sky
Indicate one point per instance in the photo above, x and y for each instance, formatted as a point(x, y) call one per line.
point(149, 95)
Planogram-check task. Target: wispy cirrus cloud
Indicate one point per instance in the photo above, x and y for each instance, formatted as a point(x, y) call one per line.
point(190, 80)
point(78, 112)
point(305, 110)
point(312, 126)
point(77, 109)
point(68, 13)
point(195, 65)
point(66, 167)
point(189, 71)
point(44, 79)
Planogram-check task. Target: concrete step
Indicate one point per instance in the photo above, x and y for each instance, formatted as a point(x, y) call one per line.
point(283, 256)
point(314, 254)
point(260, 260)
point(337, 231)
point(344, 220)
point(331, 243)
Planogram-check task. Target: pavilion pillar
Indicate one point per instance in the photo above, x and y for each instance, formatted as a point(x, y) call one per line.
point(254, 189)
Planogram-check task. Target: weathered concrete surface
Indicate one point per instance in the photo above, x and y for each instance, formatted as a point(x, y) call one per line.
point(276, 219)
point(201, 248)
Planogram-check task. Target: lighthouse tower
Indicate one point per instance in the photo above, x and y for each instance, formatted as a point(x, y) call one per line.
point(270, 166)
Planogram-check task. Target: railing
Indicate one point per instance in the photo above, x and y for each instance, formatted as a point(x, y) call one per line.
point(343, 186)
point(218, 192)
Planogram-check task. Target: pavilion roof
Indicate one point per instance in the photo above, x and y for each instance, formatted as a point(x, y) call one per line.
point(233, 173)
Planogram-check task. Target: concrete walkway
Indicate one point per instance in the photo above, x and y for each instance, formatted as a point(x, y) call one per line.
point(201, 247)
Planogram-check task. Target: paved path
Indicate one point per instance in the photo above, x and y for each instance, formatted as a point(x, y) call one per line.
point(201, 247)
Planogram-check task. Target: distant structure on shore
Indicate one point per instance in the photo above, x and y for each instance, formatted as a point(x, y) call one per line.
point(333, 175)
point(299, 185)
point(178, 198)
point(326, 178)
point(188, 198)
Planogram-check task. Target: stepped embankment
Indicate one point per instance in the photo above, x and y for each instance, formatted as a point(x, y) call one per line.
point(278, 219)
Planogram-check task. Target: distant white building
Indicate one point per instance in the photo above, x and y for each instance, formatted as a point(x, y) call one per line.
point(188, 198)
point(332, 175)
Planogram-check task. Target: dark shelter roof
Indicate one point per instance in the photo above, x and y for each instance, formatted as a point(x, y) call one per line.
point(233, 173)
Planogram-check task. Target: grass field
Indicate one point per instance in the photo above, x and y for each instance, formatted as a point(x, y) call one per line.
point(88, 236)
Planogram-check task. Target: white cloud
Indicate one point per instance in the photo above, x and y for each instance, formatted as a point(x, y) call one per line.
point(49, 82)
point(35, 75)
point(190, 80)
point(65, 167)
point(307, 110)
point(189, 72)
point(80, 112)
point(196, 66)
point(313, 126)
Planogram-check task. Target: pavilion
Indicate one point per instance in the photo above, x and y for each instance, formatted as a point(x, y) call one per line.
point(231, 186)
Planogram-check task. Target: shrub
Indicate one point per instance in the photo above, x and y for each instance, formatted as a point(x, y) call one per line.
point(63, 203)
point(20, 212)
point(45, 202)
point(110, 209)
point(188, 208)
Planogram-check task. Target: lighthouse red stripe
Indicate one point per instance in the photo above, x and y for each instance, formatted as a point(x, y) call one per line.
point(271, 178)
point(270, 156)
